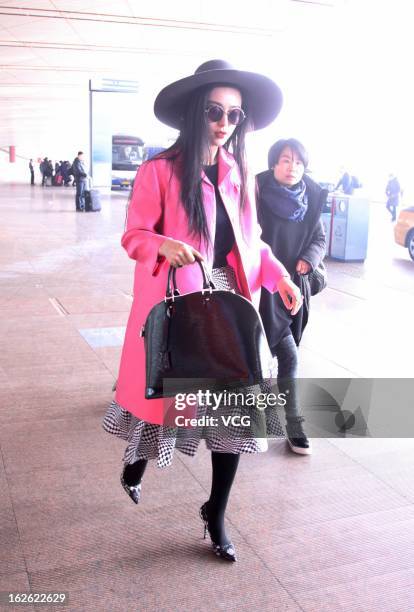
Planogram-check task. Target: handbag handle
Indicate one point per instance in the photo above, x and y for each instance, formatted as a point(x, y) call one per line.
point(172, 289)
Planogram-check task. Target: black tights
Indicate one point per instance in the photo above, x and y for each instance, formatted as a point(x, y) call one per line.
point(224, 468)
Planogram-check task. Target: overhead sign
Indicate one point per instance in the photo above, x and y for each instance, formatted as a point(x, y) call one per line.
point(117, 85)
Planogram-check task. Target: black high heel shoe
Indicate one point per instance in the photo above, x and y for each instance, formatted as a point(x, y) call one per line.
point(227, 551)
point(134, 491)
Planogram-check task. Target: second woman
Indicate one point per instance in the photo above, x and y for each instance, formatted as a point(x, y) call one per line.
point(289, 206)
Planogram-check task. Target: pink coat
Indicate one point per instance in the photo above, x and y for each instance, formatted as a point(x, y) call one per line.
point(156, 213)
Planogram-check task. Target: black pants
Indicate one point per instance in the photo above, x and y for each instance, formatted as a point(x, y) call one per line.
point(392, 207)
point(31, 177)
point(286, 353)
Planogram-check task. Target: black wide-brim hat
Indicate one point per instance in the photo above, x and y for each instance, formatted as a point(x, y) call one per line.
point(264, 97)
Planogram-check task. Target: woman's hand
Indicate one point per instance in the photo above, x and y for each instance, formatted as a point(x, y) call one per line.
point(179, 253)
point(290, 294)
point(303, 267)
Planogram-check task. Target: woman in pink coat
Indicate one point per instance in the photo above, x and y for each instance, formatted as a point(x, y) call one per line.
point(195, 201)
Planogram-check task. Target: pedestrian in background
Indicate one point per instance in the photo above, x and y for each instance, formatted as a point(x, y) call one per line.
point(31, 168)
point(348, 183)
point(81, 177)
point(43, 170)
point(393, 193)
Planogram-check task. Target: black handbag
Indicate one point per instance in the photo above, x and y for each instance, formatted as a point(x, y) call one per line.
point(209, 339)
point(318, 279)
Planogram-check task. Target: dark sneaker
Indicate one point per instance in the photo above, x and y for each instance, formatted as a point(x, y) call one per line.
point(301, 446)
point(297, 439)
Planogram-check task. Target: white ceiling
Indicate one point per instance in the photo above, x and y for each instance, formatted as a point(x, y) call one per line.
point(51, 48)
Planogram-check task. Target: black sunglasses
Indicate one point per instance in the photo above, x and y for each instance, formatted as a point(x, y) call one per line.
point(235, 116)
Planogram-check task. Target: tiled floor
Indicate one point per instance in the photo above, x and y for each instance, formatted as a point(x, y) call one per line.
point(330, 532)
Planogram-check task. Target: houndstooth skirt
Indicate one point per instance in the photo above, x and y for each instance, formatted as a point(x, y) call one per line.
point(222, 431)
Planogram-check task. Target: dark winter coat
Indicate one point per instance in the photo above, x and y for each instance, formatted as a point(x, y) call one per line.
point(291, 241)
point(393, 191)
point(79, 170)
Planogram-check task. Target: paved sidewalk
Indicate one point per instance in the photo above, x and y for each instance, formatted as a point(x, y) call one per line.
point(330, 532)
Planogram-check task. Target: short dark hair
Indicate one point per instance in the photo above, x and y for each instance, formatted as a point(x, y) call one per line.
point(276, 149)
point(80, 152)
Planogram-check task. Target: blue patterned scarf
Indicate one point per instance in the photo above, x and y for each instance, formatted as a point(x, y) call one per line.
point(286, 202)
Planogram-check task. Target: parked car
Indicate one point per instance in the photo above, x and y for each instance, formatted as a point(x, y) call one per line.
point(122, 182)
point(404, 230)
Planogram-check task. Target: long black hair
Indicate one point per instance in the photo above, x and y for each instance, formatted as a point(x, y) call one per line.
point(188, 155)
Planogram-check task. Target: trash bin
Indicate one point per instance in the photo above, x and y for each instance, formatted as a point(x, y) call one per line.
point(326, 219)
point(348, 235)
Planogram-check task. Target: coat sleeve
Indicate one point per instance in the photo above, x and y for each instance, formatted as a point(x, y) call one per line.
point(143, 236)
point(272, 270)
point(316, 249)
